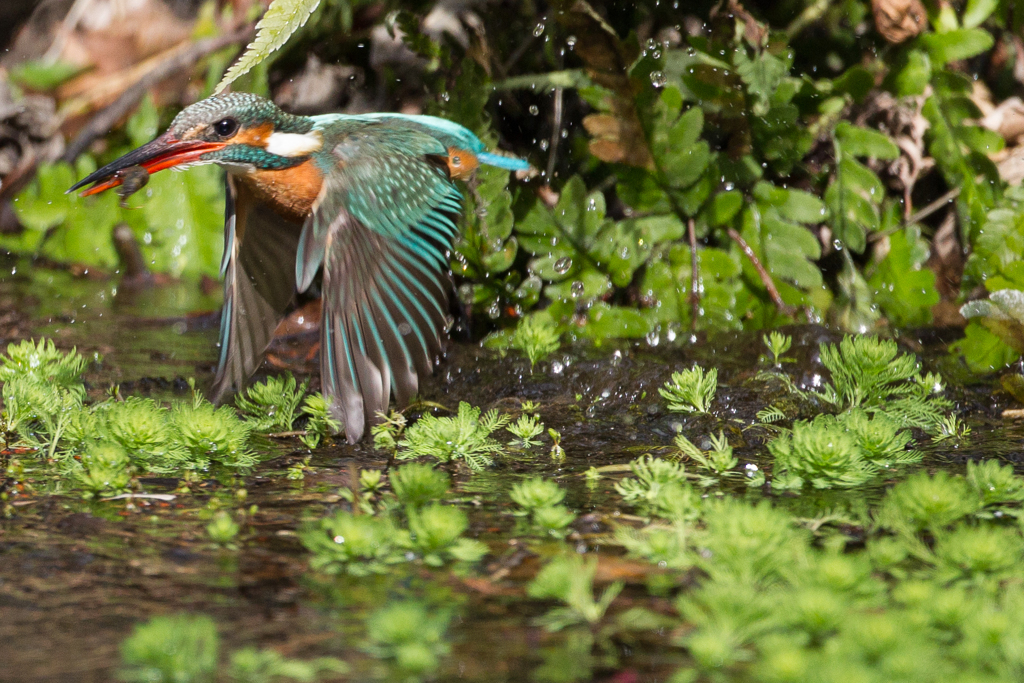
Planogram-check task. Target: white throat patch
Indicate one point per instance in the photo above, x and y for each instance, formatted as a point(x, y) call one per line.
point(294, 144)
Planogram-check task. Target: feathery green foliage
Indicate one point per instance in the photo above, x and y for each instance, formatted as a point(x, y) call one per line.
point(212, 434)
point(104, 470)
point(281, 20)
point(320, 425)
point(270, 406)
point(524, 429)
point(417, 484)
point(540, 499)
point(465, 437)
point(355, 544)
point(411, 635)
point(871, 373)
point(777, 344)
point(436, 533)
point(570, 580)
point(838, 451)
point(924, 501)
point(718, 460)
point(222, 529)
point(690, 391)
point(185, 648)
point(180, 648)
point(249, 665)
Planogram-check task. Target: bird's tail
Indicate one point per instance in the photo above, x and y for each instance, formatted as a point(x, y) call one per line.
point(507, 163)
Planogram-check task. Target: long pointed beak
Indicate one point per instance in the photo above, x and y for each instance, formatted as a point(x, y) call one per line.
point(163, 152)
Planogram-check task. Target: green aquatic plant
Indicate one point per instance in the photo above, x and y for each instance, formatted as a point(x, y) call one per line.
point(931, 502)
point(208, 433)
point(536, 492)
point(388, 431)
point(105, 470)
point(319, 424)
point(436, 533)
point(553, 520)
point(978, 554)
point(40, 412)
point(838, 451)
point(570, 580)
point(650, 475)
point(536, 337)
point(181, 648)
point(355, 544)
point(665, 547)
point(524, 429)
point(411, 635)
point(465, 437)
point(270, 406)
point(951, 427)
point(43, 362)
point(250, 665)
point(540, 499)
point(744, 543)
point(141, 426)
point(690, 391)
point(417, 484)
point(882, 440)
point(871, 373)
point(995, 483)
point(557, 452)
point(717, 461)
point(820, 453)
point(778, 344)
point(222, 529)
point(185, 648)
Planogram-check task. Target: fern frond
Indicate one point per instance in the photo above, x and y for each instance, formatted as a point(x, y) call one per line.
point(282, 19)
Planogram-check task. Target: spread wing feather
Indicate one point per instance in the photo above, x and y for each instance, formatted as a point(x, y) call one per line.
point(259, 284)
point(382, 229)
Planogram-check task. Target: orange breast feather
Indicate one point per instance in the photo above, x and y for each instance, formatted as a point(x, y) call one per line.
point(290, 191)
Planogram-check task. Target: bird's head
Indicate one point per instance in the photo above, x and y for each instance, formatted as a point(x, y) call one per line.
point(238, 130)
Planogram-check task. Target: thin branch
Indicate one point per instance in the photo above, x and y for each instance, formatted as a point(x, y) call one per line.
point(556, 134)
point(766, 278)
point(694, 274)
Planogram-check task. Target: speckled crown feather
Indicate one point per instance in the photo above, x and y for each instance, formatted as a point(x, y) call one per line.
point(246, 108)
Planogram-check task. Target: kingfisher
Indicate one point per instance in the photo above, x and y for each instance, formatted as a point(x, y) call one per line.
point(369, 200)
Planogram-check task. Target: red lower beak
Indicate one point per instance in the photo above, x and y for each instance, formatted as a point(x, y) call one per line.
point(163, 152)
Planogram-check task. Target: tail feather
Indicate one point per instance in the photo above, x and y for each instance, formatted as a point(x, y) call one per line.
point(507, 163)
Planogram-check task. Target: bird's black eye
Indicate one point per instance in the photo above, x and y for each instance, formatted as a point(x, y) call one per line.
point(225, 127)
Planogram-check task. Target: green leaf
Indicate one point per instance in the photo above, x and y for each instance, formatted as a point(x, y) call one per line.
point(957, 44)
point(977, 11)
point(724, 207)
point(41, 76)
point(902, 287)
point(983, 350)
point(912, 74)
point(864, 142)
point(282, 19)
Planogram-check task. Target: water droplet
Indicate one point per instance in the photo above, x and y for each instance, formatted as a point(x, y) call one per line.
point(544, 144)
point(570, 42)
point(538, 30)
point(658, 79)
point(534, 110)
point(576, 289)
point(653, 338)
point(563, 265)
point(494, 311)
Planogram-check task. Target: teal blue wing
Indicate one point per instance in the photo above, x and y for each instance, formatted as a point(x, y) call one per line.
point(259, 285)
point(382, 230)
